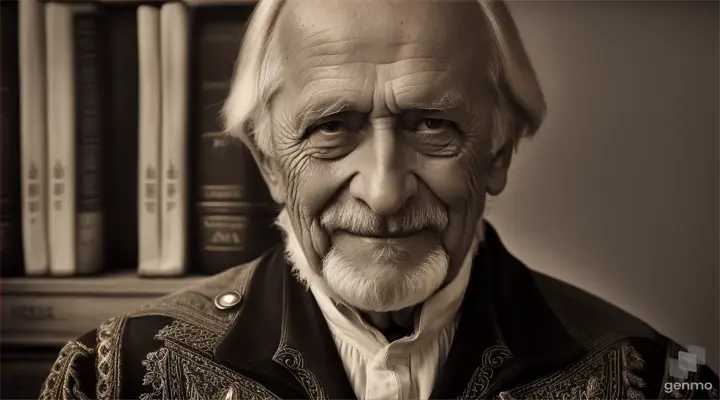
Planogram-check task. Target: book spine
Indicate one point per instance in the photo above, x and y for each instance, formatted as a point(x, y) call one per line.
point(235, 212)
point(61, 137)
point(33, 138)
point(150, 128)
point(174, 33)
point(90, 113)
point(121, 141)
point(11, 254)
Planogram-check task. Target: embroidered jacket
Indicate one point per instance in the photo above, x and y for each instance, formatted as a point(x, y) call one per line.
point(254, 332)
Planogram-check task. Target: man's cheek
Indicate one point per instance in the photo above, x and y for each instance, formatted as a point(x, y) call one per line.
point(454, 182)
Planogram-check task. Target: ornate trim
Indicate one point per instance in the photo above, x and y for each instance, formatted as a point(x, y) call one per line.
point(63, 381)
point(189, 307)
point(156, 375)
point(293, 361)
point(492, 359)
point(632, 361)
point(605, 373)
point(109, 346)
point(185, 368)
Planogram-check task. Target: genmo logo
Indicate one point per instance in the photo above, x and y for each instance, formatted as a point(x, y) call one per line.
point(680, 367)
point(670, 387)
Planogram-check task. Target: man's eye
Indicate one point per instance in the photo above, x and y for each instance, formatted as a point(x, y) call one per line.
point(330, 127)
point(433, 124)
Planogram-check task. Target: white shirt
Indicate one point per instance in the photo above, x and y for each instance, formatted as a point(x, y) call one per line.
point(407, 367)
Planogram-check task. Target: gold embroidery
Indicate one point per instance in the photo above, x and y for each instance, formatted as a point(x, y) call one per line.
point(63, 381)
point(195, 304)
point(632, 361)
point(605, 373)
point(294, 362)
point(156, 376)
point(109, 339)
point(190, 307)
point(184, 368)
point(492, 359)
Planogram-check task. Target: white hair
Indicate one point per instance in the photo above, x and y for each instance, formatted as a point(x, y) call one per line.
point(518, 111)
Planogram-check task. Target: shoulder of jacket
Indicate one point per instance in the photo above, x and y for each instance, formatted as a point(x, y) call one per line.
point(205, 301)
point(589, 319)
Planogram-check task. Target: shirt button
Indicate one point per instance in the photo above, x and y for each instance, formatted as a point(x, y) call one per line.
point(226, 300)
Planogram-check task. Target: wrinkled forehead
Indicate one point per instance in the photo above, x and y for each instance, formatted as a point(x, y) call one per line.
point(455, 30)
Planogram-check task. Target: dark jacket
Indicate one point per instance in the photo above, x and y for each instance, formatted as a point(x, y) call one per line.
point(255, 332)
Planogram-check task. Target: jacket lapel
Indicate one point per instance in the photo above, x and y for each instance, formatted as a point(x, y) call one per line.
point(280, 337)
point(477, 351)
point(507, 333)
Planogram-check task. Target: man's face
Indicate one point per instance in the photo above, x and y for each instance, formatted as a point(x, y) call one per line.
point(382, 132)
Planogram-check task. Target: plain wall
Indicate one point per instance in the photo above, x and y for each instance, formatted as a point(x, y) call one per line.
point(618, 192)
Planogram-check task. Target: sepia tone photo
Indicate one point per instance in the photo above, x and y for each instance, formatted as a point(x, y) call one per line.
point(360, 199)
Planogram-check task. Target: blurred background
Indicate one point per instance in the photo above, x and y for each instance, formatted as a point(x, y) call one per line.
point(618, 192)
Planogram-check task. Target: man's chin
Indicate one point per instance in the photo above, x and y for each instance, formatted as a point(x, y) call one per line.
point(385, 277)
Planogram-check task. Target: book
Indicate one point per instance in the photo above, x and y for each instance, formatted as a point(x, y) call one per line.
point(174, 39)
point(234, 210)
point(11, 246)
point(76, 110)
point(149, 140)
point(121, 145)
point(33, 137)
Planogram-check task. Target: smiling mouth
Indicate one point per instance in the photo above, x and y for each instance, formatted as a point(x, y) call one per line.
point(382, 237)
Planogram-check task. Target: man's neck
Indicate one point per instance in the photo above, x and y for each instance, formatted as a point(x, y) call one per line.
point(393, 323)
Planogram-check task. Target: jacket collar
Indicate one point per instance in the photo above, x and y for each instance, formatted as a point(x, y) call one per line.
point(280, 333)
point(507, 333)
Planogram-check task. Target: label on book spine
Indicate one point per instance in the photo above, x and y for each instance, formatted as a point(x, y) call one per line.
point(235, 210)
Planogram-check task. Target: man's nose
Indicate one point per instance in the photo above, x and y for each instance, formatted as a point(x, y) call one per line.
point(384, 182)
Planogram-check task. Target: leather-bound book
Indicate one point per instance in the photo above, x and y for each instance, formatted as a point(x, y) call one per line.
point(121, 149)
point(234, 212)
point(11, 251)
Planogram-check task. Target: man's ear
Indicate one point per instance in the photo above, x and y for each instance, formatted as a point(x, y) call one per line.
point(499, 165)
point(268, 166)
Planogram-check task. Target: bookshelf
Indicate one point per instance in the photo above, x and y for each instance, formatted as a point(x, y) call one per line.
point(41, 314)
point(49, 311)
point(220, 213)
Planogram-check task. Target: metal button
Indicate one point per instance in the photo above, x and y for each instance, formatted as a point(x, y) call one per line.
point(225, 300)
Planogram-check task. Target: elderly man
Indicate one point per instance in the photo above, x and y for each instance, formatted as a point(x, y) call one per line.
point(381, 126)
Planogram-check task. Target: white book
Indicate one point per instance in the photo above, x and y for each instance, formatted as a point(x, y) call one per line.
point(33, 139)
point(149, 140)
point(174, 47)
point(74, 220)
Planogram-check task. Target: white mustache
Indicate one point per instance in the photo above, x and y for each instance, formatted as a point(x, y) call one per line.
point(357, 218)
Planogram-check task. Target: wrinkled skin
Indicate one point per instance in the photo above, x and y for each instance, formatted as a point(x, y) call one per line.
point(386, 60)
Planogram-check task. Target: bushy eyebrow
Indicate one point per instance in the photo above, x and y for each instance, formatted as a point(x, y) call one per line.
point(315, 111)
point(447, 102)
point(451, 103)
point(311, 113)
